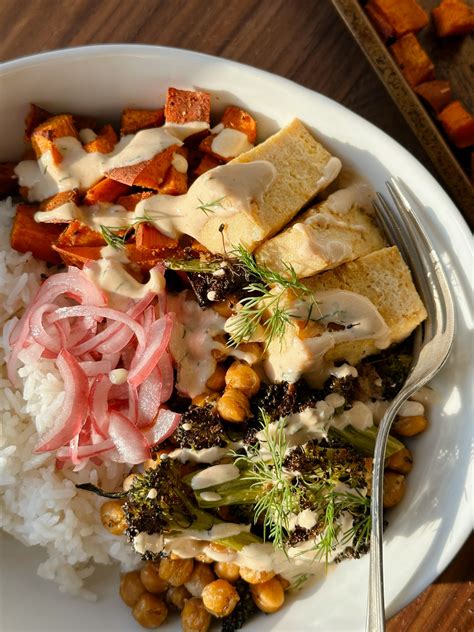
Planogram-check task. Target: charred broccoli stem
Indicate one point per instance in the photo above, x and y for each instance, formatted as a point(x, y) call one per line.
point(200, 427)
point(243, 611)
point(364, 440)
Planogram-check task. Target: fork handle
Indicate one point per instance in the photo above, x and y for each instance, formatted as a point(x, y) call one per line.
point(375, 621)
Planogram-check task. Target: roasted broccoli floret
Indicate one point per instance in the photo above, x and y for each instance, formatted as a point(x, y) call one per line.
point(344, 386)
point(229, 280)
point(200, 427)
point(243, 611)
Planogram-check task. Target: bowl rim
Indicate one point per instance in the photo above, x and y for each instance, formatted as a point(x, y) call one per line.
point(459, 224)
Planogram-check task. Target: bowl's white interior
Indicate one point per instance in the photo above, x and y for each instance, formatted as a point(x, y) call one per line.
point(434, 519)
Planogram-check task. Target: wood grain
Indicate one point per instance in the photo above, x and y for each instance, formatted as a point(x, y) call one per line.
point(303, 40)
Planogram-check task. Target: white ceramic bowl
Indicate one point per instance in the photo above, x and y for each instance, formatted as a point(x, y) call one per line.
point(434, 519)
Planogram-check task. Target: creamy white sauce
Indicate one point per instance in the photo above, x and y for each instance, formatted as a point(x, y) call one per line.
point(87, 135)
point(293, 357)
point(81, 170)
point(118, 376)
point(359, 417)
point(105, 214)
point(220, 192)
point(411, 409)
point(345, 370)
point(206, 455)
point(192, 342)
point(230, 143)
point(179, 162)
point(330, 172)
point(210, 496)
point(215, 475)
point(358, 194)
point(109, 274)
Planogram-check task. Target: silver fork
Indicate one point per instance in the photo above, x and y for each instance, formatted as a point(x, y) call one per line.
point(432, 346)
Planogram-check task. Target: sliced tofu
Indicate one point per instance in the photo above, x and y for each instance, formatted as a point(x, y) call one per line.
point(375, 300)
point(331, 233)
point(303, 168)
point(385, 279)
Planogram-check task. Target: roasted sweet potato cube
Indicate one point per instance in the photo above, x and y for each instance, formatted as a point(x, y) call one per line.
point(149, 239)
point(380, 22)
point(35, 117)
point(458, 124)
point(104, 142)
point(186, 106)
point(436, 93)
point(129, 202)
point(79, 234)
point(404, 16)
point(77, 255)
point(59, 199)
point(207, 162)
point(8, 179)
point(107, 190)
point(37, 238)
point(133, 121)
point(154, 172)
point(414, 63)
point(46, 133)
point(175, 182)
point(236, 118)
point(453, 17)
point(145, 260)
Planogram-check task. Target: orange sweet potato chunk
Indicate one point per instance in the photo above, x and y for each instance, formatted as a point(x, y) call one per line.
point(207, 162)
point(154, 172)
point(106, 190)
point(149, 239)
point(8, 178)
point(412, 59)
point(458, 124)
point(104, 142)
point(453, 17)
point(404, 16)
point(59, 199)
point(46, 133)
point(79, 234)
point(77, 255)
point(380, 22)
point(436, 93)
point(186, 106)
point(133, 121)
point(129, 202)
point(236, 118)
point(35, 237)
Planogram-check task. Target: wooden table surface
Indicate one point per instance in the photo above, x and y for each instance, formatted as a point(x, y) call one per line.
point(303, 40)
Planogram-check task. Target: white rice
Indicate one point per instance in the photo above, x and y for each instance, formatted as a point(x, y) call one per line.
point(38, 505)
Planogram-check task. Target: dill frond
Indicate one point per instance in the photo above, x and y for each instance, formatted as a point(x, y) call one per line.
point(116, 236)
point(209, 207)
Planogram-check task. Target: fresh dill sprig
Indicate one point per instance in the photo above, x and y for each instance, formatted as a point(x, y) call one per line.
point(209, 207)
point(116, 236)
point(265, 305)
point(281, 495)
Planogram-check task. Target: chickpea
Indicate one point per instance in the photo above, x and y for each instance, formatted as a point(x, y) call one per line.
point(394, 486)
point(177, 596)
point(150, 611)
point(217, 380)
point(131, 588)
point(253, 349)
point(410, 426)
point(241, 376)
point(401, 462)
point(269, 596)
point(201, 576)
point(128, 482)
point(224, 308)
point(220, 598)
point(176, 572)
point(252, 576)
point(150, 576)
point(227, 570)
point(195, 617)
point(113, 517)
point(233, 406)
